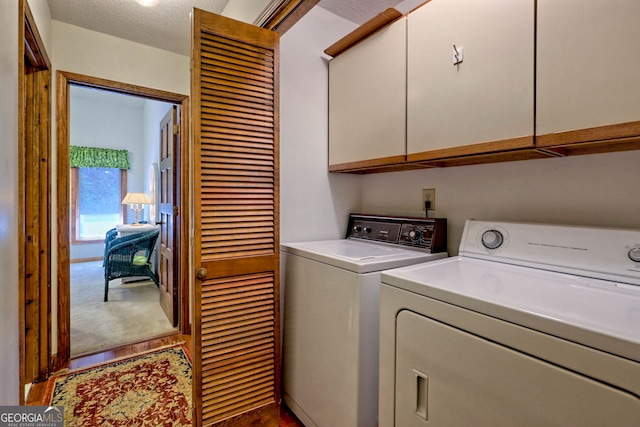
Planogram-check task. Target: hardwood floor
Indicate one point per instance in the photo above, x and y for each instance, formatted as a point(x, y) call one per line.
point(287, 419)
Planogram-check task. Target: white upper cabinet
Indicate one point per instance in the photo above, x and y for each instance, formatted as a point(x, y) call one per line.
point(588, 68)
point(486, 102)
point(367, 100)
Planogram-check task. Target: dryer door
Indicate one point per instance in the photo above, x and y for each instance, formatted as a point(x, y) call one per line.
point(448, 377)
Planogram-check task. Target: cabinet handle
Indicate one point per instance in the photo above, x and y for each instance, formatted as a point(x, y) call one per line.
point(422, 395)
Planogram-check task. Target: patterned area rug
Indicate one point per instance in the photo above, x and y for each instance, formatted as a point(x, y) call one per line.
point(151, 389)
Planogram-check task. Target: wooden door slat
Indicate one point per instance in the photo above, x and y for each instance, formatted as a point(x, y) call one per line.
point(236, 337)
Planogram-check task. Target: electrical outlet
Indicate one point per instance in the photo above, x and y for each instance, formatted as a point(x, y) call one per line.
point(429, 194)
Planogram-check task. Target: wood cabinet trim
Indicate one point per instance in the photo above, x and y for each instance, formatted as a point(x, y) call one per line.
point(600, 133)
point(595, 147)
point(496, 157)
point(367, 164)
point(364, 31)
point(473, 149)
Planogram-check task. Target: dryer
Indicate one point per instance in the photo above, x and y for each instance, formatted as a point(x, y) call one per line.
point(530, 325)
point(330, 316)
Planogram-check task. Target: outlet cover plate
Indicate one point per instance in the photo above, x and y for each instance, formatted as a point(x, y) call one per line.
point(429, 194)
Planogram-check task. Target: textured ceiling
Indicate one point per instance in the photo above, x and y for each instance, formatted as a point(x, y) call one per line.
point(358, 11)
point(168, 24)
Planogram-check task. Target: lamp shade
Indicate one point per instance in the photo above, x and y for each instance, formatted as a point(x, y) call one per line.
point(136, 199)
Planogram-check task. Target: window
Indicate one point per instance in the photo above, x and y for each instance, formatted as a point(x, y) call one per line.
point(96, 196)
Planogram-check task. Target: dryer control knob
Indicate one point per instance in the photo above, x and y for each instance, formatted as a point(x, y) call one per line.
point(367, 229)
point(492, 239)
point(634, 254)
point(357, 228)
point(415, 235)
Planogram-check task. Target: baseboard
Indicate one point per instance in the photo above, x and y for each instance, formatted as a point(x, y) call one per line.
point(78, 260)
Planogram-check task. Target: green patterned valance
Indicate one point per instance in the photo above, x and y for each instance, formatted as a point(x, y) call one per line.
point(91, 157)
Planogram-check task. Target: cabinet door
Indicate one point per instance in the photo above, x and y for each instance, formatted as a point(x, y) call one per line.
point(367, 101)
point(483, 104)
point(587, 69)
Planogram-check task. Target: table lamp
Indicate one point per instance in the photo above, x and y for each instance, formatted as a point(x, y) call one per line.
point(136, 201)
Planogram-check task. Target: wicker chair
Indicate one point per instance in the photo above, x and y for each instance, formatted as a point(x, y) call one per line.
point(108, 238)
point(128, 256)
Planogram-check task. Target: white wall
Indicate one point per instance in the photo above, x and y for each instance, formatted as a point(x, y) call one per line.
point(42, 15)
point(9, 350)
point(592, 190)
point(95, 54)
point(153, 113)
point(315, 205)
point(244, 11)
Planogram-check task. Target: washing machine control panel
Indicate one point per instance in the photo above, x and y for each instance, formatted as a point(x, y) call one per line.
point(374, 230)
point(428, 234)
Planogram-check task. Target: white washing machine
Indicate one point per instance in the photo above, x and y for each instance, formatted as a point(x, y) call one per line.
point(330, 332)
point(531, 325)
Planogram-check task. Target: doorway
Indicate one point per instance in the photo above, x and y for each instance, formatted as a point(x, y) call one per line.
point(115, 145)
point(66, 82)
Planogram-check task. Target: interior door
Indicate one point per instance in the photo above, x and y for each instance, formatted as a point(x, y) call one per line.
point(235, 297)
point(34, 111)
point(168, 210)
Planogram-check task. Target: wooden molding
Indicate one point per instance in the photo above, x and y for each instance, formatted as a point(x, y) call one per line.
point(595, 147)
point(364, 31)
point(600, 133)
point(504, 156)
point(34, 208)
point(389, 168)
point(79, 260)
point(124, 88)
point(62, 150)
point(516, 154)
point(33, 44)
point(473, 149)
point(368, 164)
point(286, 14)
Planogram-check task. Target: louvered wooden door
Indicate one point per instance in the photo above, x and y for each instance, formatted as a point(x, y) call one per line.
point(236, 321)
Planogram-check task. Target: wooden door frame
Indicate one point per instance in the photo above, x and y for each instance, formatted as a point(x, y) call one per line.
point(34, 237)
point(63, 81)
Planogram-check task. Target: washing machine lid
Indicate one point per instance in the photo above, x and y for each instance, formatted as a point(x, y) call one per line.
point(597, 313)
point(358, 256)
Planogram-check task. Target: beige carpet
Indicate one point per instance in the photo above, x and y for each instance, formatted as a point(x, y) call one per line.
point(132, 314)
